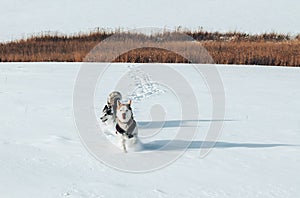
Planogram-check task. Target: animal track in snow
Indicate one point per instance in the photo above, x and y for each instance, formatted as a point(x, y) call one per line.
point(144, 86)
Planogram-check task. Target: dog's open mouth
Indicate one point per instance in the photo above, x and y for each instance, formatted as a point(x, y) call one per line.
point(104, 119)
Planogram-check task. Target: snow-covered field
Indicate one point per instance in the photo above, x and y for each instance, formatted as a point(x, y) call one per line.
point(256, 155)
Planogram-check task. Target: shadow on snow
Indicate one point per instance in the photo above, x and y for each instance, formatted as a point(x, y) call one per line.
point(165, 145)
point(176, 123)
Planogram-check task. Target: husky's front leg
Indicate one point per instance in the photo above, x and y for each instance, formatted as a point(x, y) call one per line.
point(124, 143)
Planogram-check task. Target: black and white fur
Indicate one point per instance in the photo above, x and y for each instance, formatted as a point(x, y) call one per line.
point(126, 127)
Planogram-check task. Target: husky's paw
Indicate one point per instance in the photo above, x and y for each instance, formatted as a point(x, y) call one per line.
point(134, 144)
point(128, 144)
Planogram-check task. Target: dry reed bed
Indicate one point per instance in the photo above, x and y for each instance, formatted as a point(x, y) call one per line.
point(170, 47)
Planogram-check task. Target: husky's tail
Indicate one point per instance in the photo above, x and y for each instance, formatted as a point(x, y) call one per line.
point(113, 100)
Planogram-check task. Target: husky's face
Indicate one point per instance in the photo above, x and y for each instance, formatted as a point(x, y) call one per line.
point(106, 117)
point(124, 113)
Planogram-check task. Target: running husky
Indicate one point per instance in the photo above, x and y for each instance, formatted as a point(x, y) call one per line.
point(126, 126)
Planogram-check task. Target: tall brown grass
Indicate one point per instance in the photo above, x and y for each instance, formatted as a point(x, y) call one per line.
point(283, 53)
point(225, 48)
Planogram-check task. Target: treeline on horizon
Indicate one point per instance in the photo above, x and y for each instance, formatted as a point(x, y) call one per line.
point(224, 48)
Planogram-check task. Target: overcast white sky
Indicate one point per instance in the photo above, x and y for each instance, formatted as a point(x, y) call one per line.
point(20, 18)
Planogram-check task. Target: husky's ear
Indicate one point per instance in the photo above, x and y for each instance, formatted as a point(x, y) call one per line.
point(129, 102)
point(119, 103)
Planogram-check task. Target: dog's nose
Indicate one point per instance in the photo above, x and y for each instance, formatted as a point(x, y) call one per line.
point(124, 115)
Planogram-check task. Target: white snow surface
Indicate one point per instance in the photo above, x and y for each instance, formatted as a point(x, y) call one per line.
point(257, 154)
